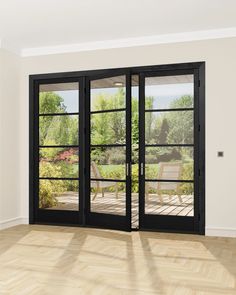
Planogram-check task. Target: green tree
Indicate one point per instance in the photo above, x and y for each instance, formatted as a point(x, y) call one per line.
point(108, 127)
point(50, 102)
point(56, 129)
point(135, 130)
point(181, 124)
point(149, 119)
point(164, 130)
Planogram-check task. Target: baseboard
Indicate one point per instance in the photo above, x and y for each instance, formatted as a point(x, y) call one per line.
point(210, 231)
point(13, 222)
point(221, 232)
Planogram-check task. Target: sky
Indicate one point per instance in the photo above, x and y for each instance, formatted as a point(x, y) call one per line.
point(163, 94)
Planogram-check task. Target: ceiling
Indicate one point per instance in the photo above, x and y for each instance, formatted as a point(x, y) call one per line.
point(28, 24)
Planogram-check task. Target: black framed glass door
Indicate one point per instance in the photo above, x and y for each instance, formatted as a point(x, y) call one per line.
point(58, 151)
point(81, 155)
point(108, 146)
point(169, 150)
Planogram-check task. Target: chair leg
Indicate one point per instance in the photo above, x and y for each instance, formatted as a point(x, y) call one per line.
point(102, 192)
point(180, 199)
point(146, 193)
point(161, 199)
point(116, 191)
point(95, 194)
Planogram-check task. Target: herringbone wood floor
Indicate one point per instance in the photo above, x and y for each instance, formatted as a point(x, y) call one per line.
point(46, 260)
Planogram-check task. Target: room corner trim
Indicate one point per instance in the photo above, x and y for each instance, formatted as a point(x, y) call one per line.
point(221, 232)
point(13, 222)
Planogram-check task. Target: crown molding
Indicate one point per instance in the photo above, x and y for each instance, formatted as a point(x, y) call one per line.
point(131, 42)
point(121, 43)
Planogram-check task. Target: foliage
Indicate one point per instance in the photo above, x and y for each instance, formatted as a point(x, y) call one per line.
point(135, 130)
point(135, 178)
point(46, 195)
point(50, 102)
point(58, 130)
point(109, 128)
point(48, 190)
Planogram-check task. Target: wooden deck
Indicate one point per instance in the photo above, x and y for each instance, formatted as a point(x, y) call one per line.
point(111, 205)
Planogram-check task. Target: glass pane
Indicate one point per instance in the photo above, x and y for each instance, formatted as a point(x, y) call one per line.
point(59, 98)
point(58, 130)
point(169, 198)
point(135, 151)
point(59, 162)
point(108, 128)
point(108, 197)
point(169, 127)
point(59, 194)
point(108, 163)
point(169, 92)
point(108, 93)
point(170, 163)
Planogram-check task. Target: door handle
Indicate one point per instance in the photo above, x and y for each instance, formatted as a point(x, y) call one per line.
point(128, 165)
point(127, 169)
point(141, 169)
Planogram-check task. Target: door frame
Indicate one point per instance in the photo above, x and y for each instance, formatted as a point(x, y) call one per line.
point(38, 78)
point(96, 219)
point(38, 215)
point(167, 222)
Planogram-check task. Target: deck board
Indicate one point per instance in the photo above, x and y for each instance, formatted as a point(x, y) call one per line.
point(111, 205)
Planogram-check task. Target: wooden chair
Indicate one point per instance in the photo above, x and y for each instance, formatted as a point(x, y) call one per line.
point(100, 185)
point(169, 171)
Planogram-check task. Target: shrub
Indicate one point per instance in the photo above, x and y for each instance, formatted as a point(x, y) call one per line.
point(150, 159)
point(48, 190)
point(135, 178)
point(46, 196)
point(117, 158)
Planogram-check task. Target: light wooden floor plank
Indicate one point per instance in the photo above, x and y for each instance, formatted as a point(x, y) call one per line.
point(47, 260)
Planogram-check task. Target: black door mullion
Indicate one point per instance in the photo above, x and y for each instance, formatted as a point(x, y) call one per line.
point(168, 110)
point(128, 150)
point(107, 145)
point(196, 150)
point(141, 149)
point(87, 120)
point(81, 140)
point(58, 114)
point(36, 151)
point(107, 111)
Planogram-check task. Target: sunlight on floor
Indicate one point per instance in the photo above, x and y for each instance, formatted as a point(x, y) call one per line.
point(59, 260)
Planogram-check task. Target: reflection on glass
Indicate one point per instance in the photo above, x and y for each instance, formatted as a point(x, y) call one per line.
point(108, 163)
point(169, 127)
point(59, 194)
point(59, 98)
point(108, 197)
point(172, 163)
point(108, 128)
point(58, 130)
point(169, 198)
point(169, 92)
point(108, 93)
point(58, 162)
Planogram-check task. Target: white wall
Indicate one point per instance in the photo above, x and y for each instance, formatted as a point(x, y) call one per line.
point(220, 57)
point(9, 138)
